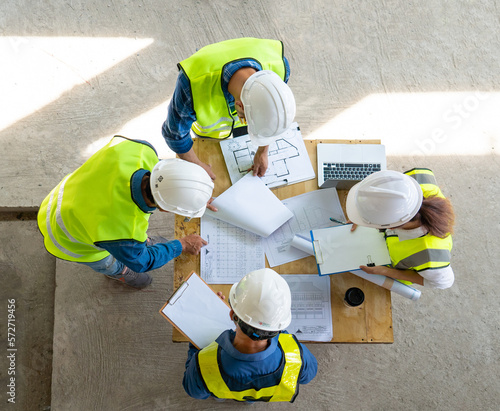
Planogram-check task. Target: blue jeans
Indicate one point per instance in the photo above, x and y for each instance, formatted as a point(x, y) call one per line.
point(107, 266)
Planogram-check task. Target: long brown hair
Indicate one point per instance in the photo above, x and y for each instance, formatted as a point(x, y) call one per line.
point(437, 215)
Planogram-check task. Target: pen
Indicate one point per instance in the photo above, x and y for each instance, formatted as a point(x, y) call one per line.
point(337, 221)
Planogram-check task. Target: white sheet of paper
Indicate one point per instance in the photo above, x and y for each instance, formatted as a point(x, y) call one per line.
point(338, 249)
point(198, 312)
point(288, 159)
point(310, 211)
point(231, 252)
point(250, 205)
point(311, 307)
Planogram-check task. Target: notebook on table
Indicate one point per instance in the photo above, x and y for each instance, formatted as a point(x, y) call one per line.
point(343, 165)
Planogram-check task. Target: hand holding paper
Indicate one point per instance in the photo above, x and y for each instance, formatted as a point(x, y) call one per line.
point(250, 205)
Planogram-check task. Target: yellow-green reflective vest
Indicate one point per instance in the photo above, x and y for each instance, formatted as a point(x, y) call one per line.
point(286, 390)
point(204, 70)
point(94, 203)
point(424, 252)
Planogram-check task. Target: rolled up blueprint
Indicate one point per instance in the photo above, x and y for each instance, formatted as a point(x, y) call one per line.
point(390, 284)
point(303, 244)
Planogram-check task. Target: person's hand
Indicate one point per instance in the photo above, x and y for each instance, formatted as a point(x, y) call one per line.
point(378, 269)
point(192, 244)
point(210, 206)
point(221, 296)
point(353, 227)
point(208, 169)
point(260, 161)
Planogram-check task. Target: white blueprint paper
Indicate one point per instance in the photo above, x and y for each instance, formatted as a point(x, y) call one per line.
point(288, 159)
point(231, 252)
point(250, 205)
point(310, 211)
point(311, 307)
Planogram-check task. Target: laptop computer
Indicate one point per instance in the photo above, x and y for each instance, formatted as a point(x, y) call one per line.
point(343, 165)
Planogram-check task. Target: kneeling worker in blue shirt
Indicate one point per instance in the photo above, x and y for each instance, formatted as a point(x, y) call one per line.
point(258, 361)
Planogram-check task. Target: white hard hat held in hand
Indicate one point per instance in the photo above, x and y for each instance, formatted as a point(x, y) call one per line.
point(181, 187)
point(269, 107)
point(262, 299)
point(385, 199)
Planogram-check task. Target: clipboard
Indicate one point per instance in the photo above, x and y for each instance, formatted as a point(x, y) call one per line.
point(197, 311)
point(338, 249)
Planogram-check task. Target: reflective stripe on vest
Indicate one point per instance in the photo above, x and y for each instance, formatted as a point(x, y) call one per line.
point(427, 181)
point(420, 253)
point(94, 203)
point(286, 390)
point(60, 223)
point(424, 252)
point(204, 70)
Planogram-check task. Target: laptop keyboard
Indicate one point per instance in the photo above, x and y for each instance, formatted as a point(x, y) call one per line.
point(339, 171)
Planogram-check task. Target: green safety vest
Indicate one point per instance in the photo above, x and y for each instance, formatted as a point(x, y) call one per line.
point(423, 252)
point(94, 203)
point(286, 390)
point(204, 71)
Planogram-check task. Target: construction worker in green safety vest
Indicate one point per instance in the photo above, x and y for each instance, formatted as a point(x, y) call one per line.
point(258, 361)
point(418, 222)
point(98, 215)
point(225, 86)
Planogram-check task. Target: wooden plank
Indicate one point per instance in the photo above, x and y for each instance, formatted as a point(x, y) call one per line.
point(369, 323)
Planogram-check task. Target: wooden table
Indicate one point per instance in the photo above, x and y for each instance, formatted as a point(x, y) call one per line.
point(371, 322)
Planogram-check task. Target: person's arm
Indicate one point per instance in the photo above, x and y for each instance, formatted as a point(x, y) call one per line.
point(260, 161)
point(139, 257)
point(176, 129)
point(192, 382)
point(406, 275)
point(180, 117)
point(309, 365)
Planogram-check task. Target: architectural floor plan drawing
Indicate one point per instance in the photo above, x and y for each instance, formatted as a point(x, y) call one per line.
point(311, 307)
point(288, 159)
point(231, 252)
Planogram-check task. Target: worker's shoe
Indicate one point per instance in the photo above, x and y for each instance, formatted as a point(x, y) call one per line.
point(155, 240)
point(129, 277)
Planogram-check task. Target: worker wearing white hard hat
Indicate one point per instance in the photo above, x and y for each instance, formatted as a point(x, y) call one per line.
point(225, 86)
point(258, 361)
point(418, 222)
point(98, 215)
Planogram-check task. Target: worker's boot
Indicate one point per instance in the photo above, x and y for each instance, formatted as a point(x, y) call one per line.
point(129, 277)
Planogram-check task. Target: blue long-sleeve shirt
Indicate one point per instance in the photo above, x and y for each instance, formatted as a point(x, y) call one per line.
point(245, 371)
point(181, 115)
point(136, 255)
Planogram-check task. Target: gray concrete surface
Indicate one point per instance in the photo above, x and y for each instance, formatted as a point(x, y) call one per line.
point(423, 78)
point(27, 273)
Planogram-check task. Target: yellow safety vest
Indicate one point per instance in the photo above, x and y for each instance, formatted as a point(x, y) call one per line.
point(204, 70)
point(286, 390)
point(424, 252)
point(94, 203)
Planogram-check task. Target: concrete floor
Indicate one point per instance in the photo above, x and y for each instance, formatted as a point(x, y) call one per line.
point(423, 79)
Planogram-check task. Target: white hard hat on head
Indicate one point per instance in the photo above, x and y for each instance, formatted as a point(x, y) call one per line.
point(263, 300)
point(269, 107)
point(181, 187)
point(385, 199)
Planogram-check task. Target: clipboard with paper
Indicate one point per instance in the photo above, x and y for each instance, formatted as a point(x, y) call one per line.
point(338, 249)
point(197, 312)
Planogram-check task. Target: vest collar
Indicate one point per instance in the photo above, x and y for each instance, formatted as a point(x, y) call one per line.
point(135, 188)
